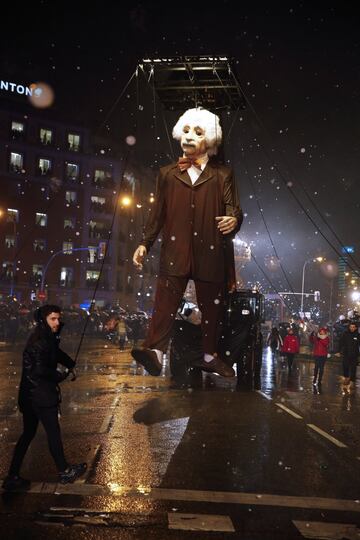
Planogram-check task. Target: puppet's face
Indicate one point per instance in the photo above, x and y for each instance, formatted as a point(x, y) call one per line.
point(193, 141)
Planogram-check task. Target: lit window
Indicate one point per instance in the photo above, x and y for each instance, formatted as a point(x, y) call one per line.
point(41, 219)
point(37, 270)
point(98, 204)
point(99, 176)
point(12, 215)
point(102, 178)
point(70, 197)
point(66, 277)
point(97, 229)
point(46, 136)
point(73, 142)
point(99, 200)
point(39, 245)
point(67, 248)
point(17, 129)
point(92, 256)
point(44, 166)
point(92, 276)
point(16, 162)
point(7, 271)
point(69, 223)
point(9, 242)
point(72, 171)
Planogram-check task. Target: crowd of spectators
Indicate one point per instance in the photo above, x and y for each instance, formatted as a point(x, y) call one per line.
point(16, 322)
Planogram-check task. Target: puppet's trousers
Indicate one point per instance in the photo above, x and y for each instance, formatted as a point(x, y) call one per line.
point(169, 293)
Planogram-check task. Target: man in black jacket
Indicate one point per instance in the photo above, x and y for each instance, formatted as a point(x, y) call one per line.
point(39, 397)
point(349, 347)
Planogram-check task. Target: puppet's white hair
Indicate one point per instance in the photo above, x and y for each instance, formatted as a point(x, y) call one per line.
point(205, 119)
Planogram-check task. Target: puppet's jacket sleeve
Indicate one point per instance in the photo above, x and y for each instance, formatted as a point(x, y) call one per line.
point(231, 200)
point(156, 217)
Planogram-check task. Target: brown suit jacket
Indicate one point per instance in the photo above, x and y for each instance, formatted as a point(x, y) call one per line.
point(192, 245)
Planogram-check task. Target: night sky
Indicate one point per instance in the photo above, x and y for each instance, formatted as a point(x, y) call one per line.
point(298, 65)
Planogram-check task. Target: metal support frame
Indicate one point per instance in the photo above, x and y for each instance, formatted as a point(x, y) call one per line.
point(206, 81)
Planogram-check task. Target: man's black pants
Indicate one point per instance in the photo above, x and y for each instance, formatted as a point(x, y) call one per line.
point(48, 416)
point(349, 367)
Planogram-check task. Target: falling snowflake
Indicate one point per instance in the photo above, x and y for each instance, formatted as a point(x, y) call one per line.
point(130, 140)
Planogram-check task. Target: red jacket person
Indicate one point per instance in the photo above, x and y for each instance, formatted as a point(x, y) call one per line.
point(198, 213)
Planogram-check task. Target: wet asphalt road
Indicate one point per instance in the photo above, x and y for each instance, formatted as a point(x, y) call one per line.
point(281, 460)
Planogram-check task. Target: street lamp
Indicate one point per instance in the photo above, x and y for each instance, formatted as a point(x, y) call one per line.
point(126, 200)
point(62, 251)
point(317, 259)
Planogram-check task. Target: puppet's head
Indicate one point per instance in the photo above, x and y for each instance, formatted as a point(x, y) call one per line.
point(199, 132)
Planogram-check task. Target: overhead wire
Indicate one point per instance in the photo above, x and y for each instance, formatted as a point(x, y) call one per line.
point(110, 231)
point(114, 105)
point(261, 211)
point(271, 283)
point(254, 191)
point(107, 244)
point(286, 183)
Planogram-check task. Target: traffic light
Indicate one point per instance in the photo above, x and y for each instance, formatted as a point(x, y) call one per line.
point(317, 296)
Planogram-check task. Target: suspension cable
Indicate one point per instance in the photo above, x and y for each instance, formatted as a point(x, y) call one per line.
point(110, 231)
point(285, 182)
point(261, 211)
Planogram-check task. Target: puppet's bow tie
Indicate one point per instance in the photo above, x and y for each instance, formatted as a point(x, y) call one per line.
point(185, 163)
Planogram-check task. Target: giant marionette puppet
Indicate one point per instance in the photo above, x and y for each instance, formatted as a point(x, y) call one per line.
point(198, 213)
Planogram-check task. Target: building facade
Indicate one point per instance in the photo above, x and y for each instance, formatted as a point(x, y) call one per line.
point(59, 200)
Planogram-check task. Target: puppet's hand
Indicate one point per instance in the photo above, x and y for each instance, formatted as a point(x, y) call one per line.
point(138, 257)
point(226, 224)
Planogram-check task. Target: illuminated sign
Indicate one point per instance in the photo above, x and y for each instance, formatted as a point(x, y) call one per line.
point(15, 88)
point(348, 249)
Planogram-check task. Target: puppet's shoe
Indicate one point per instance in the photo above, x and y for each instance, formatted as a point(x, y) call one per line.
point(217, 366)
point(148, 359)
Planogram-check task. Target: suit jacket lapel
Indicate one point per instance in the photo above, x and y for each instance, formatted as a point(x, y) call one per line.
point(206, 174)
point(183, 176)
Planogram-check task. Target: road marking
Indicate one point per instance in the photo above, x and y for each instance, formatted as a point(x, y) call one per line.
point(330, 531)
point(200, 522)
point(228, 497)
point(90, 458)
point(327, 436)
point(105, 426)
point(266, 396)
point(294, 414)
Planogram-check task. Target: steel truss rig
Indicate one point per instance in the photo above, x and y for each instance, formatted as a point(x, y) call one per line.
point(200, 81)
